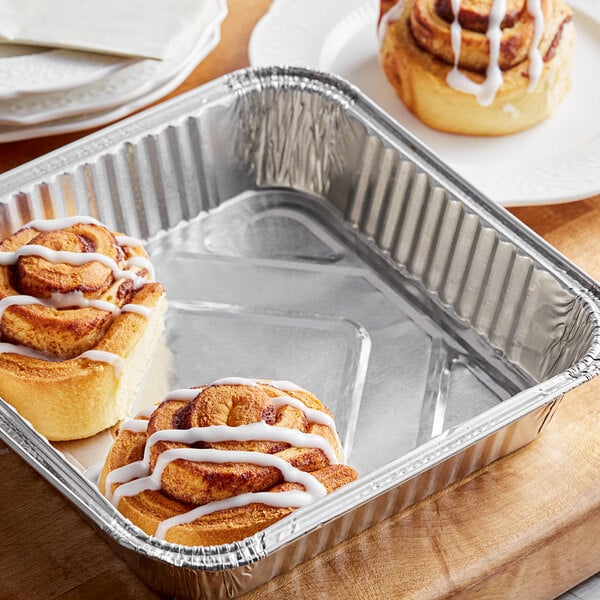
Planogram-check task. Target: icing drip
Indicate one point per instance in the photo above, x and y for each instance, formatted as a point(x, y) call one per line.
point(393, 14)
point(17, 301)
point(71, 300)
point(77, 299)
point(511, 109)
point(66, 222)
point(108, 357)
point(290, 498)
point(96, 355)
point(6, 348)
point(185, 394)
point(145, 413)
point(484, 92)
point(136, 425)
point(536, 63)
point(61, 223)
point(72, 258)
point(242, 433)
point(138, 309)
point(144, 263)
point(312, 415)
point(57, 300)
point(125, 240)
point(235, 381)
point(284, 386)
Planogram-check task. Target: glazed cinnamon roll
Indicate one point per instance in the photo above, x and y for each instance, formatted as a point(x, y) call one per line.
point(479, 67)
point(80, 315)
point(215, 464)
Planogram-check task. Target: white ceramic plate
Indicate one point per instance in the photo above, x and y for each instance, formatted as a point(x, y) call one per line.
point(26, 70)
point(138, 79)
point(556, 161)
point(88, 120)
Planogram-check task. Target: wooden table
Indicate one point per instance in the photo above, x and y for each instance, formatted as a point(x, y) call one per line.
point(525, 527)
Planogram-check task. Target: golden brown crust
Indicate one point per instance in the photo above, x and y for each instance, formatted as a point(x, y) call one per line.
point(64, 395)
point(186, 484)
point(417, 56)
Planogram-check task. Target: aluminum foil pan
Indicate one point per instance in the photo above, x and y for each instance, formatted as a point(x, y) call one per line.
point(301, 234)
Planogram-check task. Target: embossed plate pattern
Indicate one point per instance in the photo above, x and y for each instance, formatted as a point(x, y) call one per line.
point(116, 94)
point(26, 70)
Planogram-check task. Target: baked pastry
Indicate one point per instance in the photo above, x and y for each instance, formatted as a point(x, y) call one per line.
point(80, 315)
point(478, 70)
point(216, 464)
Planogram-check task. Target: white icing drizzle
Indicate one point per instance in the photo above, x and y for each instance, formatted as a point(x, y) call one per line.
point(249, 432)
point(136, 425)
point(284, 386)
point(66, 222)
point(108, 357)
point(455, 32)
point(145, 413)
point(144, 263)
point(536, 63)
point(142, 480)
point(312, 415)
point(290, 498)
point(71, 258)
point(136, 477)
point(126, 240)
point(138, 309)
point(486, 92)
point(235, 381)
point(511, 109)
point(70, 300)
point(393, 14)
point(96, 355)
point(61, 223)
point(17, 300)
point(6, 348)
point(75, 299)
point(186, 394)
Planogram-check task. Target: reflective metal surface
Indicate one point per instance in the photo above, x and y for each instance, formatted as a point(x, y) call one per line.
point(302, 235)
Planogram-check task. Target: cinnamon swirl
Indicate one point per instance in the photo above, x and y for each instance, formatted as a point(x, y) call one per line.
point(217, 463)
point(478, 67)
point(79, 317)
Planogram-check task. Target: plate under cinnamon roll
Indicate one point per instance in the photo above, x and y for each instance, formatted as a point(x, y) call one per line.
point(218, 463)
point(478, 67)
point(80, 315)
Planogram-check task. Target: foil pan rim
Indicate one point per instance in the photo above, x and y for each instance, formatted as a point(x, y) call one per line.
point(23, 439)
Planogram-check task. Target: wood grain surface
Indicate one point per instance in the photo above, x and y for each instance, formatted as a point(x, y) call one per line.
point(525, 527)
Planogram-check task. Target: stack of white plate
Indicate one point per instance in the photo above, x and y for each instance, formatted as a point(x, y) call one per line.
point(47, 91)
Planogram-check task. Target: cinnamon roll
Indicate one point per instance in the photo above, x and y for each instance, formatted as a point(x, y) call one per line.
point(218, 463)
point(478, 67)
point(80, 315)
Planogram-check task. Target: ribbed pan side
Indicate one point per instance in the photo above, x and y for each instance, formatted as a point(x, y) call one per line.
point(465, 264)
point(302, 140)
